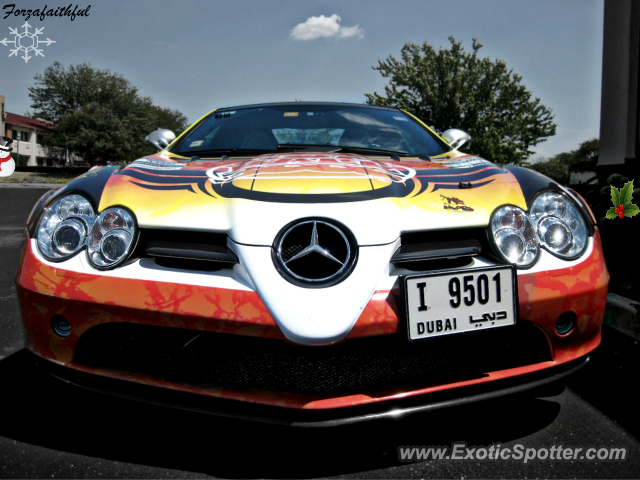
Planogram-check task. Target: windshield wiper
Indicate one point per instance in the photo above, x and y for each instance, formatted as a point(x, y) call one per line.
point(227, 151)
point(338, 148)
point(380, 151)
point(312, 147)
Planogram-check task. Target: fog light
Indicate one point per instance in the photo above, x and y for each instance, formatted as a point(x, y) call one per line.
point(565, 323)
point(60, 326)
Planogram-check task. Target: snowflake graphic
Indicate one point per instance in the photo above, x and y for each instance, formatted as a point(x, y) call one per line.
point(26, 42)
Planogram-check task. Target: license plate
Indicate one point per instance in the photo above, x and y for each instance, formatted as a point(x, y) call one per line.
point(446, 303)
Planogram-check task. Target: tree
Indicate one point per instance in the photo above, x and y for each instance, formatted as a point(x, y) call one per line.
point(172, 120)
point(585, 159)
point(451, 88)
point(558, 167)
point(97, 113)
point(554, 170)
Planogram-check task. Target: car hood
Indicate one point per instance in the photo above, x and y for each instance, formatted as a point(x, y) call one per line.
point(252, 199)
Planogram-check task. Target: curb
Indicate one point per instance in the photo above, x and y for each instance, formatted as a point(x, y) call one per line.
point(623, 314)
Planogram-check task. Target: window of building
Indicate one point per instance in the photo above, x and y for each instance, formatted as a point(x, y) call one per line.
point(40, 138)
point(20, 135)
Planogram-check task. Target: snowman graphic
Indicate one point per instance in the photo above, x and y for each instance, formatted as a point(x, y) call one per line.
point(7, 165)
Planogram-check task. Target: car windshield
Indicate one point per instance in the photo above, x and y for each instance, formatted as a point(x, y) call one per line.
point(271, 128)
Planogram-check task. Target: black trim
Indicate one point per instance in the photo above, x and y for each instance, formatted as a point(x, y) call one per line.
point(36, 213)
point(531, 182)
point(432, 250)
point(308, 418)
point(190, 252)
point(187, 245)
point(581, 206)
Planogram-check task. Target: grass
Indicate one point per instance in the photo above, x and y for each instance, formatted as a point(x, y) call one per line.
point(28, 177)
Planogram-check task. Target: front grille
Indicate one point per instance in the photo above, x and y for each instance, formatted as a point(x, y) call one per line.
point(231, 361)
point(185, 249)
point(439, 244)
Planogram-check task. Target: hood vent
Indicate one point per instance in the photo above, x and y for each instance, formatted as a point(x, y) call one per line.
point(186, 249)
point(439, 245)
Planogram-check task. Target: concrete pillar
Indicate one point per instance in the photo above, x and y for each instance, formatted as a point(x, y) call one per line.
point(33, 138)
point(2, 116)
point(619, 105)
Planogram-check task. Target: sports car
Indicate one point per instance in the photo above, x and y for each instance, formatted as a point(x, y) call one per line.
point(312, 264)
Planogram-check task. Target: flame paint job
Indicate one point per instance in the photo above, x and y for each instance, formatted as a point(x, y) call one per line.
point(90, 299)
point(191, 191)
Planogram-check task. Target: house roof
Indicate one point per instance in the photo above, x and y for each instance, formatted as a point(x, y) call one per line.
point(27, 122)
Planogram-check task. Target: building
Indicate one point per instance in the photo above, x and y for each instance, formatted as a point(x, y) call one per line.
point(27, 134)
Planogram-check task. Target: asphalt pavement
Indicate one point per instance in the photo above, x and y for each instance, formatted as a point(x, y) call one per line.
point(55, 430)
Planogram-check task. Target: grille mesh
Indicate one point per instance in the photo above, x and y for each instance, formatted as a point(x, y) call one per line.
point(291, 252)
point(231, 361)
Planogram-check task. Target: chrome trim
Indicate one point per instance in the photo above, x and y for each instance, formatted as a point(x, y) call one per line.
point(314, 246)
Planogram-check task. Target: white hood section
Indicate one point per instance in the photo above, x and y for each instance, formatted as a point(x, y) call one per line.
point(315, 316)
point(258, 223)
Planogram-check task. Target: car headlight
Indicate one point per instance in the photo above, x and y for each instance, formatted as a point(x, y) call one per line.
point(514, 236)
point(559, 225)
point(63, 229)
point(111, 238)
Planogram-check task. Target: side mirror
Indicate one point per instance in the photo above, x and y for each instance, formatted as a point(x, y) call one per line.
point(160, 138)
point(456, 138)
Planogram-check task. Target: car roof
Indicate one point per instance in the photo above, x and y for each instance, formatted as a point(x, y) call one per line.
point(295, 104)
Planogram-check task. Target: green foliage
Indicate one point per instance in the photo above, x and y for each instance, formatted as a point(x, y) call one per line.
point(554, 170)
point(617, 180)
point(626, 194)
point(611, 213)
point(630, 210)
point(615, 196)
point(451, 88)
point(584, 159)
point(173, 120)
point(98, 113)
point(622, 198)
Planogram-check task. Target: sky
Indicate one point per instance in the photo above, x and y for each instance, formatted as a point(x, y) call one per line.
point(197, 55)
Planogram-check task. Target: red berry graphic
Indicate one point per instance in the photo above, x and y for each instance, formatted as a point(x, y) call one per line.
point(621, 215)
point(617, 210)
point(621, 207)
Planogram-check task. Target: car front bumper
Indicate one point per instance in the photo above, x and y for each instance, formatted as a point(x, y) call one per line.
point(89, 300)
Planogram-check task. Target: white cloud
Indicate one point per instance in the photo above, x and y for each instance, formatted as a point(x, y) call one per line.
point(317, 27)
point(351, 32)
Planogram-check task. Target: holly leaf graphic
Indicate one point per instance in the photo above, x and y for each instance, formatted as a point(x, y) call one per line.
point(630, 209)
point(611, 213)
point(615, 196)
point(626, 195)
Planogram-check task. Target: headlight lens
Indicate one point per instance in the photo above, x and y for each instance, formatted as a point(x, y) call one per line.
point(559, 224)
point(111, 238)
point(514, 235)
point(63, 228)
